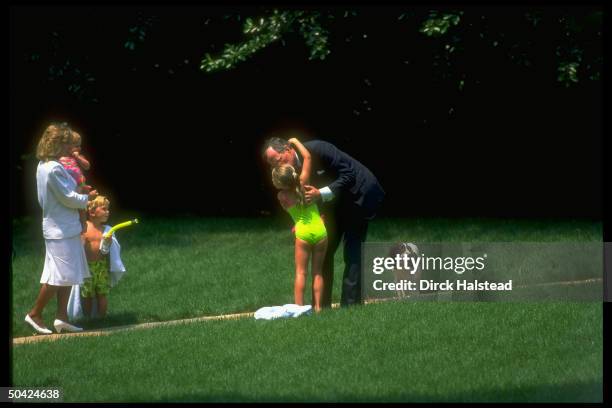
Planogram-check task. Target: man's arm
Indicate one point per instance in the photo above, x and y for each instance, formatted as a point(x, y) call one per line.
point(332, 158)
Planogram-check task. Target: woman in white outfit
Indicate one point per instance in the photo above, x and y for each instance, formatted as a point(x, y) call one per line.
point(65, 262)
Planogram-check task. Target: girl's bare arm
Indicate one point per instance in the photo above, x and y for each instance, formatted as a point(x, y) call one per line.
point(83, 162)
point(306, 160)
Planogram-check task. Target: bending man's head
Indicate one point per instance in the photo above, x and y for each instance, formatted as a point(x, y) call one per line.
point(277, 152)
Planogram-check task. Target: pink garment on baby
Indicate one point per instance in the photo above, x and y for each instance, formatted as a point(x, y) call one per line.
point(73, 168)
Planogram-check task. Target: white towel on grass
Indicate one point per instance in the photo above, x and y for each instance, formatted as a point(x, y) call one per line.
point(288, 310)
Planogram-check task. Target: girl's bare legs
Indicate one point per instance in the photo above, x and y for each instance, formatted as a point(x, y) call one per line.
point(318, 256)
point(102, 305)
point(302, 253)
point(44, 296)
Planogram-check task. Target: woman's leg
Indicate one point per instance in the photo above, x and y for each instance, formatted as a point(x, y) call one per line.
point(318, 283)
point(302, 253)
point(44, 296)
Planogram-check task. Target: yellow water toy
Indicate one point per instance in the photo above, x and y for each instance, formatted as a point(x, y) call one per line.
point(119, 226)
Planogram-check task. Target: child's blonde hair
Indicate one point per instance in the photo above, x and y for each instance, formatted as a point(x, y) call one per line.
point(99, 201)
point(286, 178)
point(76, 138)
point(53, 139)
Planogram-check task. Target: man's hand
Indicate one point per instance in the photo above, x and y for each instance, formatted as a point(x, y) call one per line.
point(92, 194)
point(311, 194)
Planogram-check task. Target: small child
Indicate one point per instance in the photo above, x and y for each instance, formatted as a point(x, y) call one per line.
point(101, 264)
point(310, 231)
point(75, 164)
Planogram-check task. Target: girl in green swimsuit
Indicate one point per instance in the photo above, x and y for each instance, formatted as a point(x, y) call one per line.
point(310, 232)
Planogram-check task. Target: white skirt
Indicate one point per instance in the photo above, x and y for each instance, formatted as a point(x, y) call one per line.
point(65, 262)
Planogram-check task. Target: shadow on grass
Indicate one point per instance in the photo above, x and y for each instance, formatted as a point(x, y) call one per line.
point(591, 391)
point(111, 320)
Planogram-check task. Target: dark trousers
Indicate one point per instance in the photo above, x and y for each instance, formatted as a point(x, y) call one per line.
point(351, 227)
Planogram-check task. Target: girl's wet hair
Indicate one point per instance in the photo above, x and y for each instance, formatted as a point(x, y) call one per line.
point(286, 178)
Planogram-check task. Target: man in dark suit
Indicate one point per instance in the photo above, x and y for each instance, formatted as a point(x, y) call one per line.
point(348, 195)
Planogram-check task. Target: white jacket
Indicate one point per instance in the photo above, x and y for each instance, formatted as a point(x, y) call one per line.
point(59, 201)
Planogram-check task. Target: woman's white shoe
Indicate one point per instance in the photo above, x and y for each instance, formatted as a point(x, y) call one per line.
point(36, 327)
point(61, 325)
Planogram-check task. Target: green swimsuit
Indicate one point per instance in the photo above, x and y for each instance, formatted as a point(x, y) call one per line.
point(99, 282)
point(308, 223)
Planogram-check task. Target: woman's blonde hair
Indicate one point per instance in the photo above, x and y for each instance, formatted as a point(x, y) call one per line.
point(53, 140)
point(99, 201)
point(286, 178)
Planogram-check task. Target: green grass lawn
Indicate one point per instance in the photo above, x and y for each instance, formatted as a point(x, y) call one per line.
point(186, 267)
point(384, 352)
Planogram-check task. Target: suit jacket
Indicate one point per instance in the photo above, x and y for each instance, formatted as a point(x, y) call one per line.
point(352, 183)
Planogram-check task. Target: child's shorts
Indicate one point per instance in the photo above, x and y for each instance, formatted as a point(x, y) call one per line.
point(99, 283)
